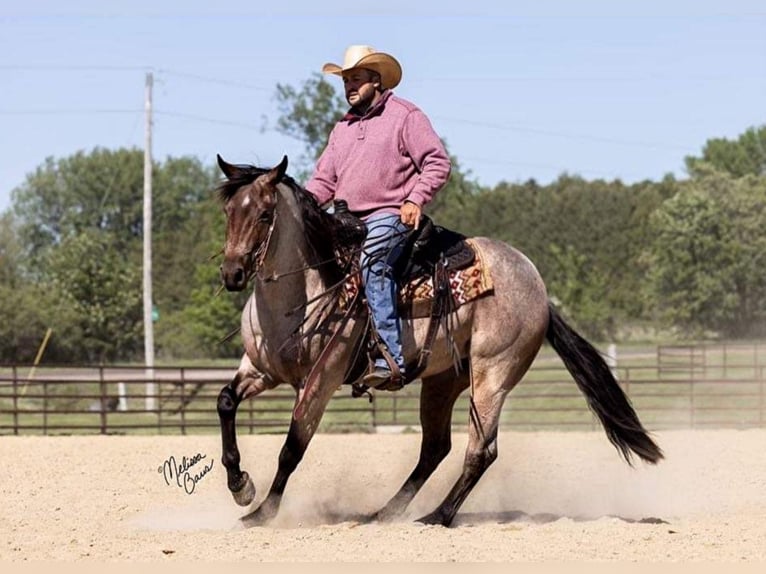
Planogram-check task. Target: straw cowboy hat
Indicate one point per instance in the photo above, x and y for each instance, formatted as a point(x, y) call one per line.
point(367, 57)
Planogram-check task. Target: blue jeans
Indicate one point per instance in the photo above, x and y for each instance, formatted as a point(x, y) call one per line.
point(385, 240)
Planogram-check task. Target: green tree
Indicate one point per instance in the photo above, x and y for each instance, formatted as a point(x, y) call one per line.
point(453, 206)
point(585, 237)
point(91, 278)
point(101, 190)
point(308, 114)
point(744, 156)
point(707, 260)
point(95, 201)
point(25, 306)
point(10, 251)
point(28, 311)
point(187, 222)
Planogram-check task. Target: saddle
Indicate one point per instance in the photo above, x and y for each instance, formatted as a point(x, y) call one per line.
point(431, 254)
point(431, 245)
point(424, 247)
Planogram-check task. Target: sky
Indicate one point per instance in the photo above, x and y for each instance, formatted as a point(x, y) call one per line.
point(518, 90)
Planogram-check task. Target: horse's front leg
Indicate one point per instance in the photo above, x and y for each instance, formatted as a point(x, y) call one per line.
point(246, 384)
point(301, 431)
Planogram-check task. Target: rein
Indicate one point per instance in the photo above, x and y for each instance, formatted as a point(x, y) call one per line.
point(259, 253)
point(318, 264)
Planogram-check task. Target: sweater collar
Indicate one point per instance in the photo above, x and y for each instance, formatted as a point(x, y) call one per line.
point(375, 110)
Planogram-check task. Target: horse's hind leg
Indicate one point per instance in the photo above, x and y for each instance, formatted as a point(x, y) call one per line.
point(490, 386)
point(245, 384)
point(437, 399)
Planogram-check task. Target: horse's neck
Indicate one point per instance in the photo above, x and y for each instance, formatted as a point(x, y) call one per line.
point(289, 260)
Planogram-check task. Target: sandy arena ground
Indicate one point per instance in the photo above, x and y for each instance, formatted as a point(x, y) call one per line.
point(549, 496)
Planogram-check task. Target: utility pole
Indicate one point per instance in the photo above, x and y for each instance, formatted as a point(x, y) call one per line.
point(148, 301)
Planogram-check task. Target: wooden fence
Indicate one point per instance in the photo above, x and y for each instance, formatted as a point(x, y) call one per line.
point(722, 386)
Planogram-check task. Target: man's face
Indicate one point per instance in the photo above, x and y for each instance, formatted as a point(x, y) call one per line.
point(360, 86)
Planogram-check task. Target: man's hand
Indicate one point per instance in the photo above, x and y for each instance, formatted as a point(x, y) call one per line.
point(410, 214)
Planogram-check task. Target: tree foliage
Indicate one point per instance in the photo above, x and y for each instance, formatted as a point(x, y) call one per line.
point(708, 257)
point(90, 277)
point(78, 231)
point(308, 114)
point(744, 156)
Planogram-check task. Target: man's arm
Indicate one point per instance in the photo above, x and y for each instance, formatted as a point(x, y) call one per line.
point(324, 179)
point(425, 148)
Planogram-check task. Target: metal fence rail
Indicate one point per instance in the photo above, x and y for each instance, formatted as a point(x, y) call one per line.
point(726, 390)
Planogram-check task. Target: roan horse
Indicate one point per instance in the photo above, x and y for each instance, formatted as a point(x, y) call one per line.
point(277, 237)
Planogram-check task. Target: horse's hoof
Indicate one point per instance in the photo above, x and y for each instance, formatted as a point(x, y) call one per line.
point(246, 494)
point(258, 517)
point(433, 519)
point(386, 515)
point(252, 520)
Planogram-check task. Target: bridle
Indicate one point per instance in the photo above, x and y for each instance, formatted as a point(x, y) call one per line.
point(260, 252)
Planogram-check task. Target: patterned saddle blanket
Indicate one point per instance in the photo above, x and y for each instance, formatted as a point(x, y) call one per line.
point(416, 295)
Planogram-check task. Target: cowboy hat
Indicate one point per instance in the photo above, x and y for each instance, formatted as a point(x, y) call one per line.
point(358, 56)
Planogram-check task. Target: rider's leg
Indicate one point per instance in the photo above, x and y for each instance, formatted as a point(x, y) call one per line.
point(380, 252)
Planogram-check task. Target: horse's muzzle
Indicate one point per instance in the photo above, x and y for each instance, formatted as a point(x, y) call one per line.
point(233, 275)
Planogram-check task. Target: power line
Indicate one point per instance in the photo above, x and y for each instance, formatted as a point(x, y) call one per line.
point(506, 127)
point(113, 68)
point(210, 80)
point(67, 111)
point(524, 129)
point(556, 168)
point(249, 126)
point(642, 78)
point(244, 85)
point(204, 119)
point(73, 68)
point(419, 80)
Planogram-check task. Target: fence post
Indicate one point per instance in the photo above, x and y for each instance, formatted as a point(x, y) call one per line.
point(183, 402)
point(692, 413)
point(122, 404)
point(45, 406)
point(762, 401)
point(611, 359)
point(250, 415)
point(396, 410)
point(102, 398)
point(155, 397)
point(15, 400)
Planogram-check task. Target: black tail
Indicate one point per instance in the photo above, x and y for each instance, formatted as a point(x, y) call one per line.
point(603, 393)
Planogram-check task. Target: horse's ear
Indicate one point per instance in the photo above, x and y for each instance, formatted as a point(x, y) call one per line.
point(277, 173)
point(228, 169)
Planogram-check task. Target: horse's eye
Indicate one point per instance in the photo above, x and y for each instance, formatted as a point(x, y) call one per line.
point(265, 217)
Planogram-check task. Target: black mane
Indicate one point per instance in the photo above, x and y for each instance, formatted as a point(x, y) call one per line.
point(320, 225)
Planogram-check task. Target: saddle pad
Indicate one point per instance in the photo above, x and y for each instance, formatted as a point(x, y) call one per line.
point(416, 297)
point(466, 284)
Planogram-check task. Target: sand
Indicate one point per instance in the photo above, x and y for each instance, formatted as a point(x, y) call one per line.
point(549, 497)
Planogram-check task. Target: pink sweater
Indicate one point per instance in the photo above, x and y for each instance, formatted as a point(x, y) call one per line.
point(378, 161)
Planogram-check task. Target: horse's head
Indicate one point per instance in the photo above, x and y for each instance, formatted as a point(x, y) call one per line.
point(249, 199)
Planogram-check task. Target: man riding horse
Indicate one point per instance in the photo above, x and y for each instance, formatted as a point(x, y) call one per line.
point(384, 159)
